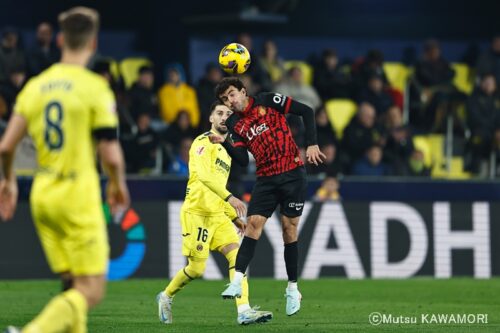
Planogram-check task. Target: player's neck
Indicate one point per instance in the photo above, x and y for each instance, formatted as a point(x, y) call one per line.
point(80, 58)
point(245, 103)
point(213, 130)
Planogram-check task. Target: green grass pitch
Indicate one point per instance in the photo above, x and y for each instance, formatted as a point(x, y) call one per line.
point(328, 305)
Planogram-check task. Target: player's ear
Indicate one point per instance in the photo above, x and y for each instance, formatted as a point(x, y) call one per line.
point(244, 91)
point(60, 40)
point(93, 43)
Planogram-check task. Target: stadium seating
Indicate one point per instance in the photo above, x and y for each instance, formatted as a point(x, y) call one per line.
point(462, 79)
point(397, 74)
point(420, 142)
point(129, 68)
point(307, 70)
point(340, 113)
point(432, 146)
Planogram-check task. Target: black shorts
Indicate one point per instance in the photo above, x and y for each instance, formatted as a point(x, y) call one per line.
point(287, 190)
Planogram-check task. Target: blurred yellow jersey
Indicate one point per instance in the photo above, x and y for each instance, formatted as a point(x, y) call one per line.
point(63, 106)
point(209, 166)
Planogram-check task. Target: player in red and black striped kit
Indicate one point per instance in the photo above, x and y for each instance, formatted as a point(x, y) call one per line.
point(259, 125)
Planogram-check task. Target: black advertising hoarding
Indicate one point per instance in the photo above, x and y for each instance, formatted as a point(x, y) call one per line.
point(378, 239)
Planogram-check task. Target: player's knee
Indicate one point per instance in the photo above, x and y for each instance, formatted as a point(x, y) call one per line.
point(254, 228)
point(96, 295)
point(93, 289)
point(195, 268)
point(290, 234)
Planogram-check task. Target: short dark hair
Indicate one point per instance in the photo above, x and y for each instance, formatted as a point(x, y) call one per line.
point(78, 26)
point(145, 69)
point(215, 104)
point(227, 82)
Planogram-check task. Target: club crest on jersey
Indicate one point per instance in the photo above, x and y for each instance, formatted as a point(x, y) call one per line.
point(199, 247)
point(256, 130)
point(262, 111)
point(200, 150)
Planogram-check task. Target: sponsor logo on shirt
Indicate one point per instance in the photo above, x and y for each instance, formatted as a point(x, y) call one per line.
point(256, 130)
point(222, 164)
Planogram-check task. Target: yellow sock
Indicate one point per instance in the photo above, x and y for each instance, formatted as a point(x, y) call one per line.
point(231, 259)
point(193, 270)
point(67, 312)
point(177, 283)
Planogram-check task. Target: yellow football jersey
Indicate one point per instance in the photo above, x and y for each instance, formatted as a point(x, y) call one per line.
point(62, 106)
point(209, 166)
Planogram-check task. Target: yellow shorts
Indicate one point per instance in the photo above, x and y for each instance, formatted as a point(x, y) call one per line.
point(72, 232)
point(201, 234)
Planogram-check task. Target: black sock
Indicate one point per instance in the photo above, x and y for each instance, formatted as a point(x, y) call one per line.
point(291, 261)
point(245, 254)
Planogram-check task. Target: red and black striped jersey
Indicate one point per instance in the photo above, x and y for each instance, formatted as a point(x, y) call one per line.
point(263, 129)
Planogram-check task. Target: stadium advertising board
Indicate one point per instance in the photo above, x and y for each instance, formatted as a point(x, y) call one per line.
point(378, 239)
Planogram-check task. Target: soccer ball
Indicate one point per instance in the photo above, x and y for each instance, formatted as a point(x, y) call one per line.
point(234, 58)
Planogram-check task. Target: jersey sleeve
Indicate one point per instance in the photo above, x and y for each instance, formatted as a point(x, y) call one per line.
point(103, 109)
point(234, 138)
point(237, 140)
point(230, 211)
point(279, 102)
point(202, 160)
point(21, 105)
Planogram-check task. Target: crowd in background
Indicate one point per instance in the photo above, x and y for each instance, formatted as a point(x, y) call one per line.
point(159, 120)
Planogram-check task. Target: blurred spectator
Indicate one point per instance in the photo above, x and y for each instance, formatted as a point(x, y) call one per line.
point(489, 62)
point(483, 110)
point(142, 156)
point(294, 87)
point(325, 132)
point(180, 129)
point(399, 144)
point(127, 124)
point(45, 52)
point(271, 62)
point(371, 164)
point(249, 85)
point(329, 80)
point(176, 95)
point(260, 77)
point(330, 165)
point(10, 89)
point(11, 56)
point(432, 92)
point(180, 163)
point(414, 166)
point(362, 133)
point(142, 96)
point(365, 68)
point(375, 94)
point(433, 70)
point(205, 91)
point(328, 191)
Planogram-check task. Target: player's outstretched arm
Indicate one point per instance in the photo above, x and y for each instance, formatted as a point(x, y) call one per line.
point(238, 154)
point(238, 205)
point(314, 155)
point(8, 184)
point(111, 156)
